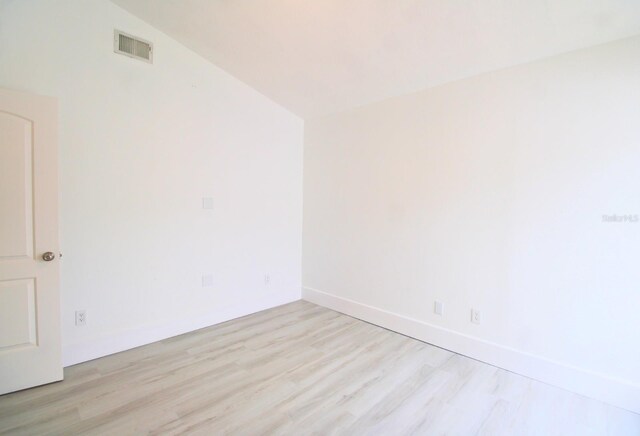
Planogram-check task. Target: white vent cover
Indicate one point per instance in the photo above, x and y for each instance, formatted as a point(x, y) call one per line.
point(132, 46)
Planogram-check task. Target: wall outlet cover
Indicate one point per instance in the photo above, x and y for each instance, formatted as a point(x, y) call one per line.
point(476, 316)
point(81, 318)
point(438, 307)
point(207, 280)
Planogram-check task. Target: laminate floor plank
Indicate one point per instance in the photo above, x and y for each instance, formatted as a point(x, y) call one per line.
point(301, 369)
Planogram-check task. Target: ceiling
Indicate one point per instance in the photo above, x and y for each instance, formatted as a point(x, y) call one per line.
point(324, 56)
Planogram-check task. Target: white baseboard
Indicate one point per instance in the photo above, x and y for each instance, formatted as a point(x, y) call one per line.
point(126, 340)
point(618, 392)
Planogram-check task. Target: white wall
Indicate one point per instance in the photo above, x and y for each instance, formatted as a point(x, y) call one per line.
point(489, 193)
point(140, 146)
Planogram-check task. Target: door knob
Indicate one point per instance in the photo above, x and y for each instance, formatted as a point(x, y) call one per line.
point(48, 256)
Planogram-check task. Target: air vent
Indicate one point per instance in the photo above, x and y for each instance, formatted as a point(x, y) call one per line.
point(132, 46)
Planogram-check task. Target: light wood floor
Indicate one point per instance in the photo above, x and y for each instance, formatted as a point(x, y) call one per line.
point(301, 369)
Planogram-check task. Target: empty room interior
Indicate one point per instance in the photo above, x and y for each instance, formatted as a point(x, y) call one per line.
point(321, 217)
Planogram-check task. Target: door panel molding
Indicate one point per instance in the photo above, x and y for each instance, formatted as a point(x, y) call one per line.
point(30, 343)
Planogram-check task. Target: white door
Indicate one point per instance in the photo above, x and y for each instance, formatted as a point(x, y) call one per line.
point(30, 352)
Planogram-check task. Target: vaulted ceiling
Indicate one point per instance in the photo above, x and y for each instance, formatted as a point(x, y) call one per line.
point(316, 57)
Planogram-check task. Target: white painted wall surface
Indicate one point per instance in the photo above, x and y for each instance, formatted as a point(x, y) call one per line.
point(489, 193)
point(140, 146)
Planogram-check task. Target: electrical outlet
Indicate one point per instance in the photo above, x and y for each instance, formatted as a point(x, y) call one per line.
point(476, 316)
point(81, 318)
point(207, 280)
point(267, 279)
point(438, 307)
